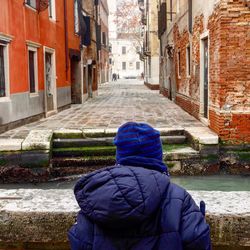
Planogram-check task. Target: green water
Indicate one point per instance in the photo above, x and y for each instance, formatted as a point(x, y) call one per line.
point(206, 183)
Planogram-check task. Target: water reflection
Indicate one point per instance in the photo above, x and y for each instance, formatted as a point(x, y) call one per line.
point(207, 183)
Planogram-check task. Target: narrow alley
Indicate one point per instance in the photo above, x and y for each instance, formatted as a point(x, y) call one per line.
point(116, 103)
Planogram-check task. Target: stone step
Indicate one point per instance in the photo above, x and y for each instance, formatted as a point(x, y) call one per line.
point(170, 152)
point(82, 162)
point(108, 141)
point(84, 151)
point(102, 133)
point(180, 153)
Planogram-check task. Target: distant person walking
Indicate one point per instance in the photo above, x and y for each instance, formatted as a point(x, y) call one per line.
point(142, 75)
point(114, 77)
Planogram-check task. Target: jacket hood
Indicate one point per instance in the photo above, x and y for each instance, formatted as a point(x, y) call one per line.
point(120, 196)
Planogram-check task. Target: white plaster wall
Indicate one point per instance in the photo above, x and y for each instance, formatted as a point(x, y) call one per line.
point(206, 9)
point(199, 7)
point(131, 57)
point(111, 21)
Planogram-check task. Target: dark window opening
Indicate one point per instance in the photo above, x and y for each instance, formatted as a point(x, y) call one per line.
point(190, 16)
point(162, 19)
point(171, 10)
point(123, 50)
point(50, 8)
point(138, 65)
point(2, 73)
point(32, 71)
point(31, 3)
point(188, 61)
point(104, 38)
point(124, 66)
point(179, 63)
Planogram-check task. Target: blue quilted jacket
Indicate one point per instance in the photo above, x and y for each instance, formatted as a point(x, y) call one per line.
point(134, 208)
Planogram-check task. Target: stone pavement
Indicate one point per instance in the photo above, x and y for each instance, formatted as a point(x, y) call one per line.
point(115, 104)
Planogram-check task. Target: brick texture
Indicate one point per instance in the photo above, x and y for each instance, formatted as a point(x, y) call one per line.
point(152, 86)
point(229, 69)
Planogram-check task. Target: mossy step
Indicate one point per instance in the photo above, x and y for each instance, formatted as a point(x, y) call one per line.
point(170, 151)
point(83, 161)
point(84, 151)
point(107, 141)
point(90, 142)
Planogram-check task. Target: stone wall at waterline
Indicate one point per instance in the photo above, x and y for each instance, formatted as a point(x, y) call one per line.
point(37, 217)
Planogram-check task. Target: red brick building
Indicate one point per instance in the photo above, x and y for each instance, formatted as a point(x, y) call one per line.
point(205, 62)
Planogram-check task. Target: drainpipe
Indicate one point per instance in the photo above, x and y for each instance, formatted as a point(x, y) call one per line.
point(66, 37)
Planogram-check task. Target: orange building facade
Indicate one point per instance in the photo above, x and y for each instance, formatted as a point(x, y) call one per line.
point(40, 59)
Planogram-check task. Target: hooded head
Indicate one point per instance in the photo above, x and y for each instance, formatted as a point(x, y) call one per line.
point(120, 197)
point(139, 143)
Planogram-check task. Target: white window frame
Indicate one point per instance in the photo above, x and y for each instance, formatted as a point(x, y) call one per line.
point(177, 6)
point(136, 64)
point(52, 14)
point(204, 36)
point(76, 24)
point(188, 61)
point(33, 49)
point(6, 98)
point(54, 78)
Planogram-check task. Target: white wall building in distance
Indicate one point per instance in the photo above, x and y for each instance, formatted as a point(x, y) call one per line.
point(124, 59)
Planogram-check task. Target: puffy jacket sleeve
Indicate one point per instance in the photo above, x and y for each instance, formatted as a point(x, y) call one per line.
point(195, 231)
point(81, 233)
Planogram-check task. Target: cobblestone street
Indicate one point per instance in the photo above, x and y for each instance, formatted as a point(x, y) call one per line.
point(115, 104)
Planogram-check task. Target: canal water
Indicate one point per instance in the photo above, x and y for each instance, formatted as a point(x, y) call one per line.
point(225, 183)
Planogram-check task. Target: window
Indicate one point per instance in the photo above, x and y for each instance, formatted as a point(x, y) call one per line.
point(124, 50)
point(2, 71)
point(104, 38)
point(52, 9)
point(138, 65)
point(179, 63)
point(177, 6)
point(124, 66)
point(190, 16)
point(188, 66)
point(33, 78)
point(31, 3)
point(138, 49)
point(171, 10)
point(76, 17)
point(130, 65)
point(110, 61)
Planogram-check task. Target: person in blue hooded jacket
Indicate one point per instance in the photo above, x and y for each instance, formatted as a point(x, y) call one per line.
point(133, 205)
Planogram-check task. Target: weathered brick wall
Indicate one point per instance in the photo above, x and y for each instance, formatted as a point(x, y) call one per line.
point(188, 105)
point(164, 91)
point(152, 86)
point(229, 69)
point(188, 87)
